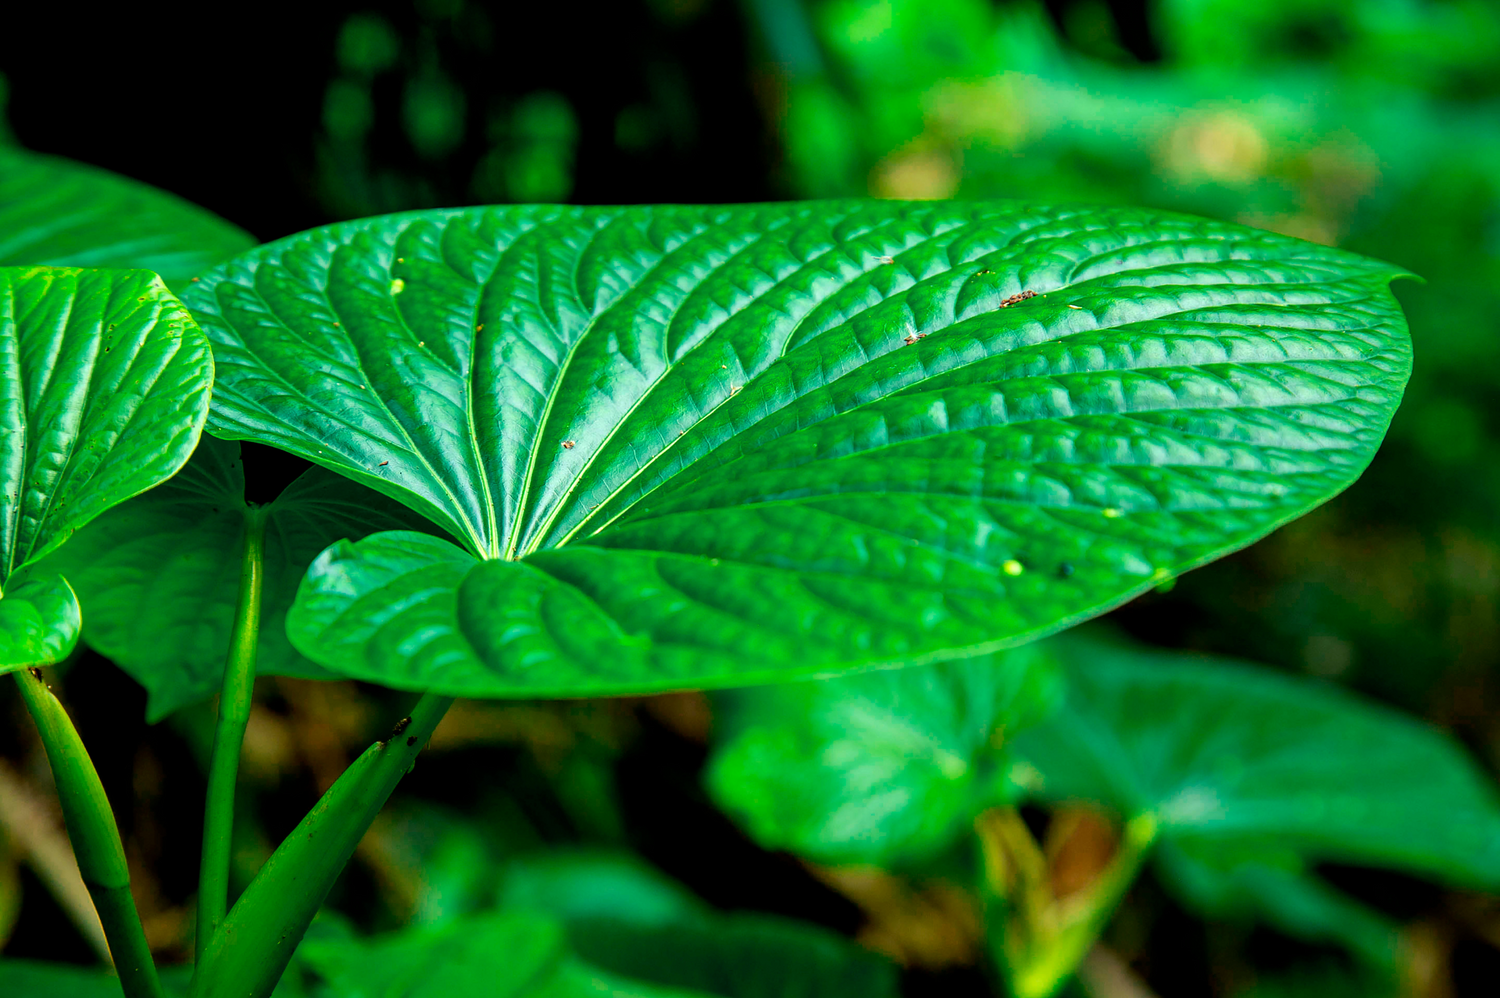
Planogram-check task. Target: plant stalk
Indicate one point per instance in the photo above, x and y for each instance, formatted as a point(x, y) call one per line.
point(229, 736)
point(95, 837)
point(1039, 939)
point(249, 953)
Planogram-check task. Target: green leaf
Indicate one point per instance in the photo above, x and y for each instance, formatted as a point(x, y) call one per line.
point(58, 213)
point(882, 767)
point(104, 385)
point(715, 446)
point(492, 955)
point(39, 624)
point(35, 979)
point(158, 576)
point(1255, 776)
point(629, 919)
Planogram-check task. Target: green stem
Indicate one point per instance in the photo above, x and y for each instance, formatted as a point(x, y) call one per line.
point(1038, 939)
point(95, 837)
point(234, 715)
point(249, 953)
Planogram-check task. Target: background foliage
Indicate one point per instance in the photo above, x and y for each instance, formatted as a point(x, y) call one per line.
point(1368, 124)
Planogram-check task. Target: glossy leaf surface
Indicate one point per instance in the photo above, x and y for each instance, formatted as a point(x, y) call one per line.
point(1254, 776)
point(879, 767)
point(159, 578)
point(709, 446)
point(55, 212)
point(39, 624)
point(104, 384)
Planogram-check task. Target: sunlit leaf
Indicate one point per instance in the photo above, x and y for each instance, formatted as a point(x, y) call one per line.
point(104, 384)
point(59, 213)
point(711, 446)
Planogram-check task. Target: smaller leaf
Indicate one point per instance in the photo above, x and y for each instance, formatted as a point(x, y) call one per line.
point(1255, 776)
point(879, 767)
point(158, 576)
point(39, 624)
point(491, 955)
point(629, 919)
point(104, 386)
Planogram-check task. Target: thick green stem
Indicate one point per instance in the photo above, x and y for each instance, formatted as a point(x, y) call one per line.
point(249, 953)
point(95, 837)
point(234, 715)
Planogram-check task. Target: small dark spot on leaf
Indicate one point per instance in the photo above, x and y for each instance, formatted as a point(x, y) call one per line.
point(1064, 570)
point(35, 673)
point(400, 727)
point(569, 444)
point(983, 272)
point(411, 741)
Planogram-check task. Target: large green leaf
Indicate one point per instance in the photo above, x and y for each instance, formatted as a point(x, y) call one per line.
point(39, 624)
point(104, 385)
point(65, 214)
point(1254, 776)
point(880, 767)
point(159, 575)
point(712, 446)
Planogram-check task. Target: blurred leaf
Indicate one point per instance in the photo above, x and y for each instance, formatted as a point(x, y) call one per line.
point(586, 884)
point(159, 576)
point(1253, 776)
point(492, 955)
point(697, 446)
point(880, 767)
point(367, 44)
point(433, 113)
point(36, 979)
point(59, 213)
point(631, 920)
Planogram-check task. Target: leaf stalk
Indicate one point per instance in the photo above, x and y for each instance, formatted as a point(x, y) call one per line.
point(95, 837)
point(234, 715)
point(1038, 938)
point(250, 951)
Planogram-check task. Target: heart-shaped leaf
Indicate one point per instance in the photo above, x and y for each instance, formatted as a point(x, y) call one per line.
point(1253, 776)
point(712, 446)
point(104, 385)
point(39, 624)
point(881, 767)
point(63, 214)
point(158, 576)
